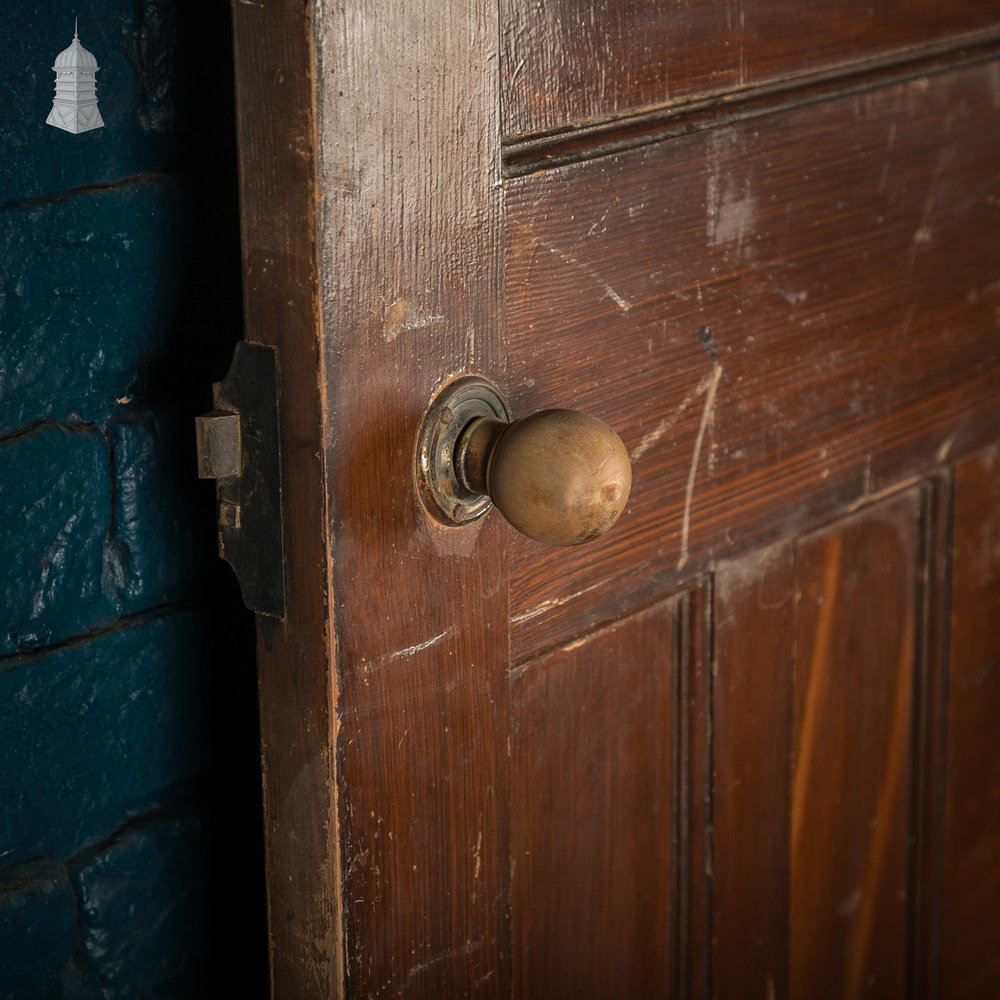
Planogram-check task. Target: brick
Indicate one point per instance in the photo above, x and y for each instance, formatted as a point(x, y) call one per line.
point(90, 301)
point(164, 532)
point(145, 923)
point(101, 731)
point(38, 921)
point(55, 505)
point(134, 44)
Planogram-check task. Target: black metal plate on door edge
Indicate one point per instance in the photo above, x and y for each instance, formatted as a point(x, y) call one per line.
point(250, 524)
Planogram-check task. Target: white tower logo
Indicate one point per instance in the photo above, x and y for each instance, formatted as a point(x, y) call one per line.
point(75, 106)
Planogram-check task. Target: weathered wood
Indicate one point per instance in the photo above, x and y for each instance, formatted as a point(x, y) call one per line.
point(857, 618)
point(695, 792)
point(970, 917)
point(409, 237)
point(585, 141)
point(594, 759)
point(672, 762)
point(755, 600)
point(570, 61)
point(273, 47)
point(825, 696)
point(778, 317)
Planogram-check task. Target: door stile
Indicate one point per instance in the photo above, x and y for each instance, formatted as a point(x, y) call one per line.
point(409, 175)
point(274, 58)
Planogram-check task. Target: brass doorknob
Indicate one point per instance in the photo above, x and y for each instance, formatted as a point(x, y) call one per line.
point(559, 476)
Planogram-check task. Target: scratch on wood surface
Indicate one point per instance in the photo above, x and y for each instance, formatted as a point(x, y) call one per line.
point(886, 491)
point(555, 602)
point(651, 437)
point(478, 855)
point(599, 222)
point(618, 300)
point(466, 949)
point(419, 647)
point(708, 385)
point(944, 449)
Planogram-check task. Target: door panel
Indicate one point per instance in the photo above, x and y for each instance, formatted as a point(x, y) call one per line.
point(971, 961)
point(752, 719)
point(857, 590)
point(594, 754)
point(571, 61)
point(819, 676)
point(779, 316)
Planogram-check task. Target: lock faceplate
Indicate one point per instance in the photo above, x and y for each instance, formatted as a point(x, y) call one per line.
point(238, 447)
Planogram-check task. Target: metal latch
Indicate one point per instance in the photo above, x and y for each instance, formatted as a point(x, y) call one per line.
point(238, 447)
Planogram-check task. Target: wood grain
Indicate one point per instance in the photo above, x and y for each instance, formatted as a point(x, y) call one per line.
point(594, 759)
point(755, 602)
point(276, 129)
point(793, 323)
point(409, 237)
point(571, 61)
point(695, 784)
point(531, 153)
point(930, 737)
point(970, 961)
point(820, 727)
point(853, 740)
point(777, 320)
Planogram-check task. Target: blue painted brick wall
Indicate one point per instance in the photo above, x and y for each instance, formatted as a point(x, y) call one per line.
point(130, 850)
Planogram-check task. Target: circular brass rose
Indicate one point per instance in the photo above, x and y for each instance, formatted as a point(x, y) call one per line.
point(559, 476)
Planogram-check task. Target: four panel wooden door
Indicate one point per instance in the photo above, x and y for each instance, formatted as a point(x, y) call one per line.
point(741, 746)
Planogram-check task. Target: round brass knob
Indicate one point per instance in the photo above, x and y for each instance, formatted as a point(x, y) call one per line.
point(559, 476)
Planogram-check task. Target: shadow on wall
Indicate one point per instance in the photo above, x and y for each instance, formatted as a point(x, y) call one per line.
point(131, 858)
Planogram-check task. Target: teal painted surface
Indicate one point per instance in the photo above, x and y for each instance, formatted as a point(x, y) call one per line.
point(38, 926)
point(90, 300)
point(113, 725)
point(55, 504)
point(130, 847)
point(158, 869)
point(136, 45)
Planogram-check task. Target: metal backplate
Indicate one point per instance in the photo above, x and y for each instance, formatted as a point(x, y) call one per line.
point(444, 496)
point(245, 461)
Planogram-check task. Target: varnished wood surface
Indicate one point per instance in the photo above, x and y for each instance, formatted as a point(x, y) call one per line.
point(852, 751)
point(273, 49)
point(970, 913)
point(585, 141)
point(595, 750)
point(571, 61)
point(752, 698)
point(699, 767)
point(409, 173)
point(778, 317)
point(825, 694)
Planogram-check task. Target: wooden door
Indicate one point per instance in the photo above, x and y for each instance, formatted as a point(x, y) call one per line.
point(742, 746)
